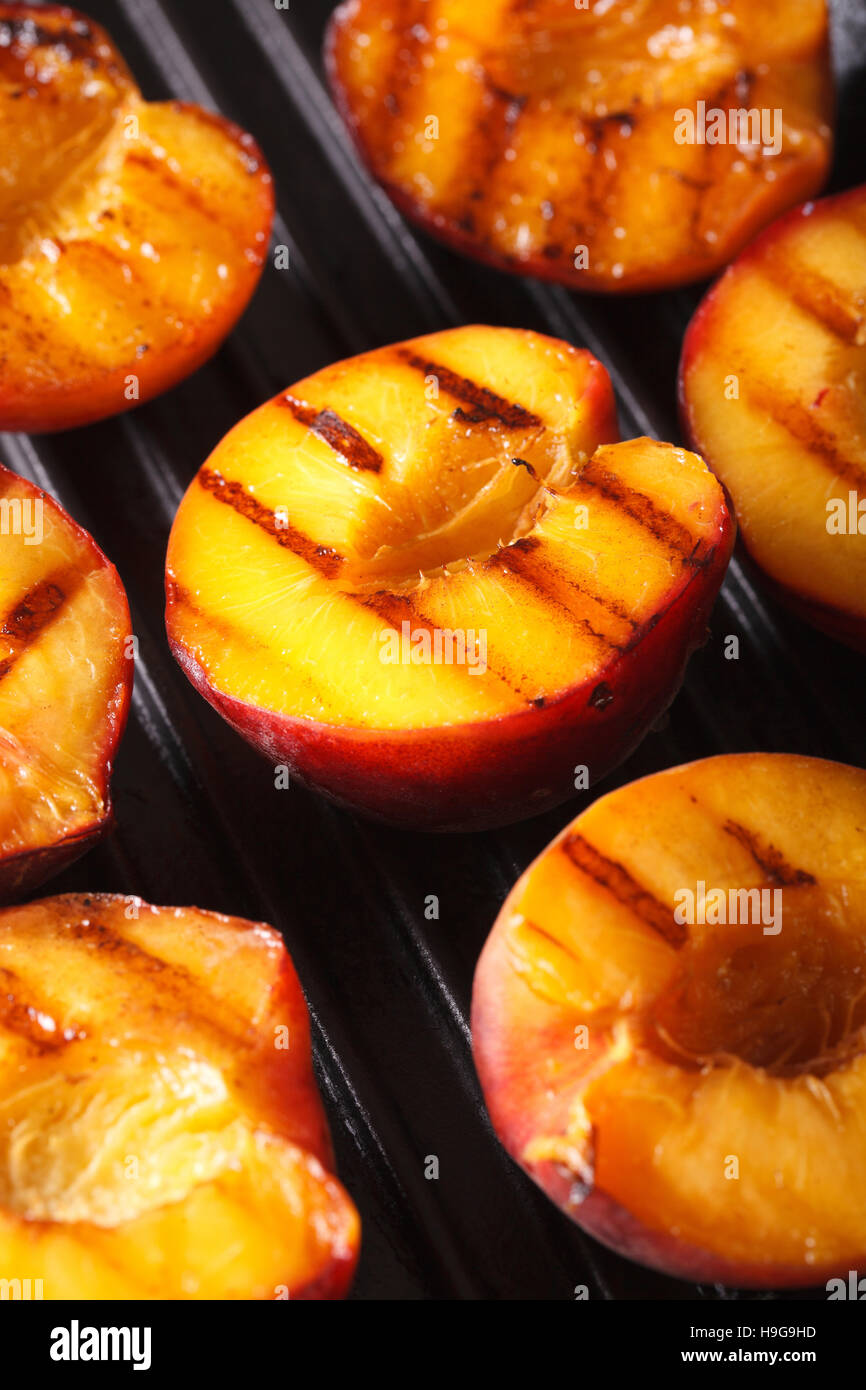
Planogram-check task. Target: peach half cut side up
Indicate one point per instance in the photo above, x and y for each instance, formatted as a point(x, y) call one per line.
point(427, 581)
point(65, 681)
point(132, 233)
point(669, 1020)
point(773, 393)
point(612, 147)
point(161, 1135)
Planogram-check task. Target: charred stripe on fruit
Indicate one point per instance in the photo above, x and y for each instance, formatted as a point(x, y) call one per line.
point(529, 924)
point(326, 561)
point(338, 434)
point(641, 509)
point(182, 189)
point(398, 608)
point(564, 590)
point(398, 79)
point(486, 404)
point(319, 557)
point(617, 881)
point(803, 426)
point(223, 633)
point(179, 597)
point(80, 247)
point(512, 559)
point(33, 614)
point(769, 859)
point(488, 137)
point(816, 296)
point(174, 980)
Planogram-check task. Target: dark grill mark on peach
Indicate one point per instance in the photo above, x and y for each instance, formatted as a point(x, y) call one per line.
point(397, 81)
point(32, 615)
point(613, 605)
point(569, 588)
point(641, 509)
point(179, 598)
point(485, 404)
point(617, 881)
point(395, 609)
point(32, 612)
point(530, 925)
point(803, 426)
point(606, 603)
point(181, 188)
point(320, 557)
point(816, 296)
point(516, 559)
point(486, 140)
point(770, 860)
point(78, 248)
point(338, 434)
point(177, 987)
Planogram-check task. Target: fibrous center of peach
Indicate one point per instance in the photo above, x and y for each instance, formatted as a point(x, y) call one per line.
point(792, 1003)
point(109, 1145)
point(62, 140)
point(487, 487)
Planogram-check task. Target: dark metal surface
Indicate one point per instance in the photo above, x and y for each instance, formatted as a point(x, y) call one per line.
point(198, 817)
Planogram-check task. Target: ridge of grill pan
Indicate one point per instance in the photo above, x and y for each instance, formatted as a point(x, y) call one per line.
point(198, 819)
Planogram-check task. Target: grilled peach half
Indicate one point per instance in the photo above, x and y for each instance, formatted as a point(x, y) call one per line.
point(669, 1020)
point(610, 147)
point(773, 393)
point(161, 1134)
point(66, 662)
point(425, 581)
point(132, 233)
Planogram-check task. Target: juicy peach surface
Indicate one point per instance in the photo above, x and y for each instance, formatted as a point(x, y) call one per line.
point(65, 682)
point(773, 392)
point(461, 484)
point(132, 234)
point(550, 138)
point(161, 1135)
point(693, 1092)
